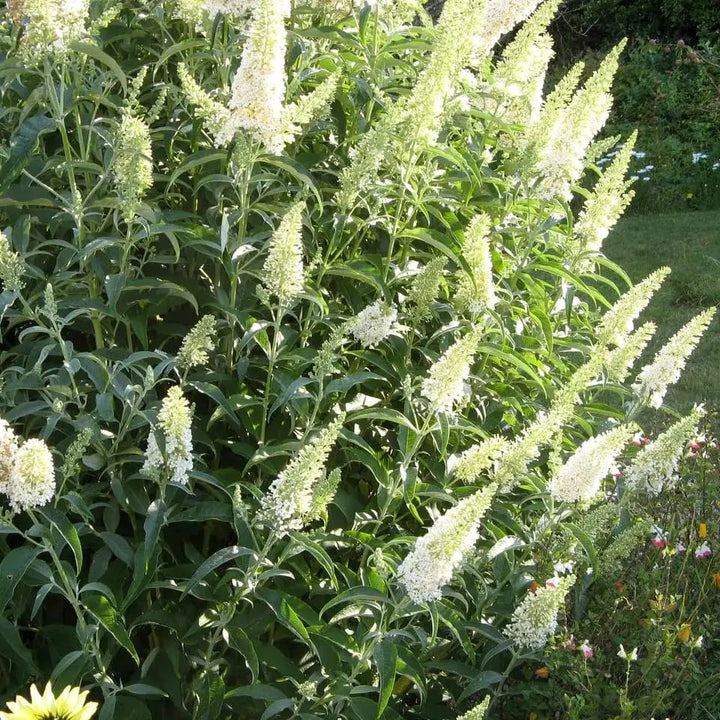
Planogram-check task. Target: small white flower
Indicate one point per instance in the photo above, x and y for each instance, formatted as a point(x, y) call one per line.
point(632, 656)
point(175, 420)
point(446, 383)
point(534, 621)
point(439, 552)
point(580, 477)
point(374, 323)
point(32, 480)
point(563, 568)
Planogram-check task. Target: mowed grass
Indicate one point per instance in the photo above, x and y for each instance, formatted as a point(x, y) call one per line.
point(689, 244)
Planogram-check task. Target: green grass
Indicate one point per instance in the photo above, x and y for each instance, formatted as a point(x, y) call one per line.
point(688, 243)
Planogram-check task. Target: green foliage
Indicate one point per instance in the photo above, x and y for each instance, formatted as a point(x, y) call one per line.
point(599, 23)
point(670, 93)
point(230, 309)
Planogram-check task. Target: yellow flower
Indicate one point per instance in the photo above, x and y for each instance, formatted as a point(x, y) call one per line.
point(684, 634)
point(702, 531)
point(69, 705)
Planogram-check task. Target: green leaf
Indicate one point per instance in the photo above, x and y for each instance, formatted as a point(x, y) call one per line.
point(297, 171)
point(13, 568)
point(119, 547)
point(383, 414)
point(141, 287)
point(213, 562)
point(257, 691)
point(204, 511)
point(67, 530)
point(239, 640)
point(586, 541)
point(343, 384)
point(70, 668)
point(195, 160)
point(154, 522)
point(99, 606)
point(96, 53)
point(213, 392)
point(356, 596)
point(114, 285)
point(22, 145)
point(385, 658)
point(318, 553)
point(12, 648)
point(482, 681)
point(144, 690)
point(282, 605)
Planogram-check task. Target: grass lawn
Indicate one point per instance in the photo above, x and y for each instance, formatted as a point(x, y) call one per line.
point(688, 243)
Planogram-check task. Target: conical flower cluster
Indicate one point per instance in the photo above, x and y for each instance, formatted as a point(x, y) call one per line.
point(501, 16)
point(534, 621)
point(283, 272)
point(12, 268)
point(295, 496)
point(368, 157)
point(517, 455)
point(476, 289)
point(174, 420)
point(258, 88)
point(622, 358)
point(446, 384)
point(618, 322)
point(479, 458)
point(50, 27)
point(197, 344)
point(424, 290)
point(578, 480)
point(27, 473)
point(133, 163)
point(373, 324)
point(311, 107)
point(478, 712)
point(564, 140)
point(234, 8)
point(460, 23)
point(213, 113)
point(609, 198)
point(439, 552)
point(667, 366)
point(31, 482)
point(655, 465)
point(518, 80)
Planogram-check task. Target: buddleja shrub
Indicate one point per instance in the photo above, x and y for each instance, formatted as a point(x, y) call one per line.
point(306, 379)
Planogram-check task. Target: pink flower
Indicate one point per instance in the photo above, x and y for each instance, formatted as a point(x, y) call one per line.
point(661, 536)
point(552, 582)
point(587, 651)
point(680, 548)
point(703, 551)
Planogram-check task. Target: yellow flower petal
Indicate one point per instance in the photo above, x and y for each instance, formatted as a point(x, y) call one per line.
point(69, 705)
